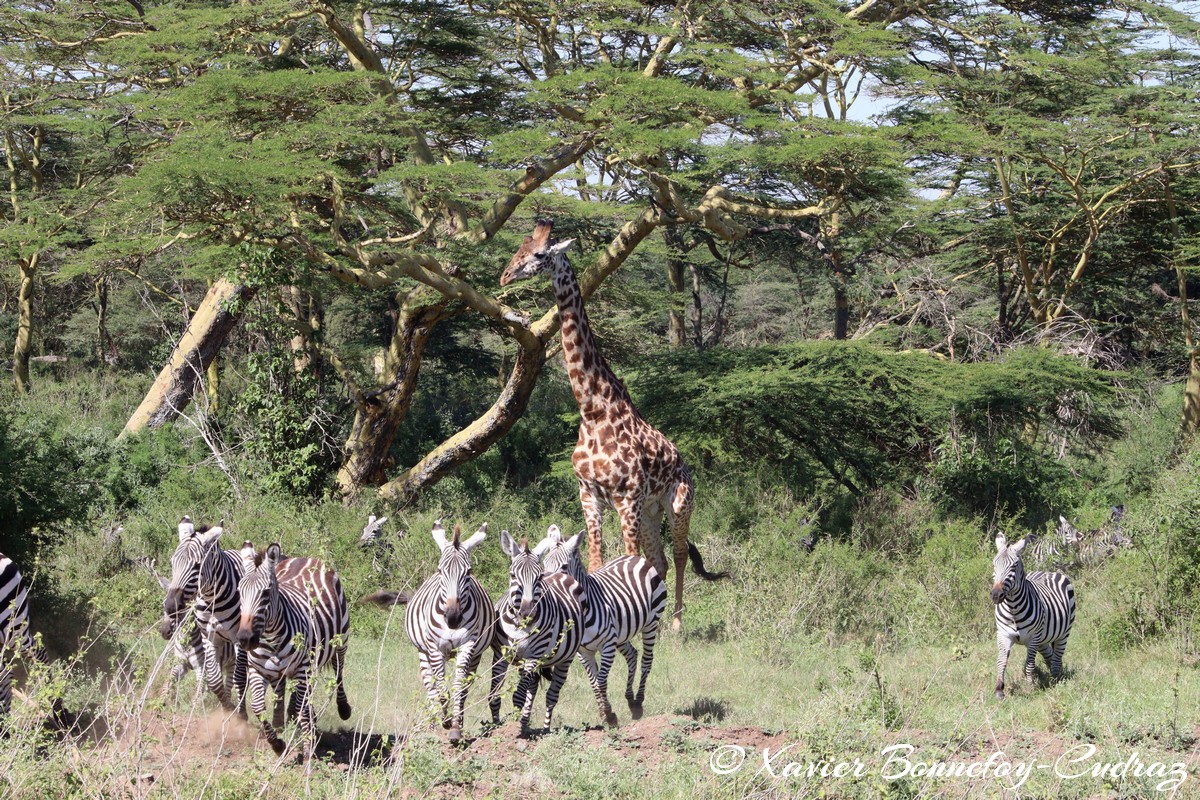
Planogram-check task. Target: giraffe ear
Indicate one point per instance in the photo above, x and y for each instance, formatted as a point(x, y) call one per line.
point(561, 247)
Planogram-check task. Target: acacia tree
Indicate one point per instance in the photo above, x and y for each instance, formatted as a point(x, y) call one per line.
point(389, 148)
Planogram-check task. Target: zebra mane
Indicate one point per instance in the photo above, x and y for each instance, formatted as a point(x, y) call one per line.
point(457, 533)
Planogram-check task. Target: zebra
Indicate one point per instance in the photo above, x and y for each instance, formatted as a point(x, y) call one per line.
point(623, 598)
point(187, 644)
point(294, 620)
point(1035, 609)
point(204, 578)
point(450, 614)
point(540, 624)
point(15, 634)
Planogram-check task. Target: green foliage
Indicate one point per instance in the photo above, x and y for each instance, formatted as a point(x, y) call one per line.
point(858, 417)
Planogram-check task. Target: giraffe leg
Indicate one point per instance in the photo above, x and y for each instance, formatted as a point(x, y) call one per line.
point(629, 510)
point(680, 517)
point(593, 517)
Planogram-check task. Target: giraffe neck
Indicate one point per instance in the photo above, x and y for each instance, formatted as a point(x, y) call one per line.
point(596, 388)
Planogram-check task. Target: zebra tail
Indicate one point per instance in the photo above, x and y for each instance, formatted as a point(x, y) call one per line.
point(698, 565)
point(385, 598)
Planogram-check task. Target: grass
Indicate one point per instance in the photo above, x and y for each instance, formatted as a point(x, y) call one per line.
point(812, 700)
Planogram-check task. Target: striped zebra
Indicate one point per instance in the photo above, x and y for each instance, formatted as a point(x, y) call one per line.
point(450, 615)
point(1035, 609)
point(294, 620)
point(539, 628)
point(15, 634)
point(622, 599)
point(204, 579)
point(187, 644)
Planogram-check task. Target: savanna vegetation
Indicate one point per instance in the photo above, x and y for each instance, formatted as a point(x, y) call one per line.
point(894, 276)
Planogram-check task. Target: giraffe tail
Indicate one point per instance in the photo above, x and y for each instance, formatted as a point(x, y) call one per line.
point(385, 598)
point(698, 565)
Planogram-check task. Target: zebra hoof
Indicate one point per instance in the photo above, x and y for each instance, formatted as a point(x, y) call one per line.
point(677, 624)
point(999, 694)
point(455, 736)
point(610, 719)
point(344, 709)
point(635, 710)
point(278, 746)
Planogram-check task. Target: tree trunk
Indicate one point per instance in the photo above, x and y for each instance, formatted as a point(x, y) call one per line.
point(477, 437)
point(199, 345)
point(379, 414)
point(308, 312)
point(106, 348)
point(676, 335)
point(24, 342)
point(1189, 420)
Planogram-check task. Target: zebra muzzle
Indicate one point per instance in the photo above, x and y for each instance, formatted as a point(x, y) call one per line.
point(997, 593)
point(454, 615)
point(166, 627)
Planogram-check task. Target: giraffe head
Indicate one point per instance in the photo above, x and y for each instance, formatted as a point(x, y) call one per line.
point(536, 255)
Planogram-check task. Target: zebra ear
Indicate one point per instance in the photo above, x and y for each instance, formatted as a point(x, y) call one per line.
point(247, 554)
point(186, 528)
point(507, 545)
point(553, 533)
point(476, 537)
point(542, 547)
point(439, 535)
point(271, 558)
point(573, 543)
point(1001, 542)
point(212, 536)
point(1017, 548)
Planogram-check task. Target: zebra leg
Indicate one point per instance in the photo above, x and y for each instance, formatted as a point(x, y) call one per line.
point(339, 665)
point(588, 659)
point(256, 687)
point(1031, 652)
point(439, 694)
point(5, 687)
point(1056, 660)
point(239, 679)
point(528, 689)
point(214, 676)
point(277, 715)
point(1003, 647)
point(499, 671)
point(465, 664)
point(649, 639)
point(304, 710)
point(557, 678)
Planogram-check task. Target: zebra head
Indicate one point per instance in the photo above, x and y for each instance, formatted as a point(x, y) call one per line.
point(1007, 569)
point(454, 568)
point(194, 545)
point(525, 583)
point(258, 591)
point(562, 555)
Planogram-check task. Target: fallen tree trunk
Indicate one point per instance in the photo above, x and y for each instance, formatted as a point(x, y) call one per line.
point(199, 345)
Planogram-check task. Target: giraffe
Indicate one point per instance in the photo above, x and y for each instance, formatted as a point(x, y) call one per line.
point(621, 460)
